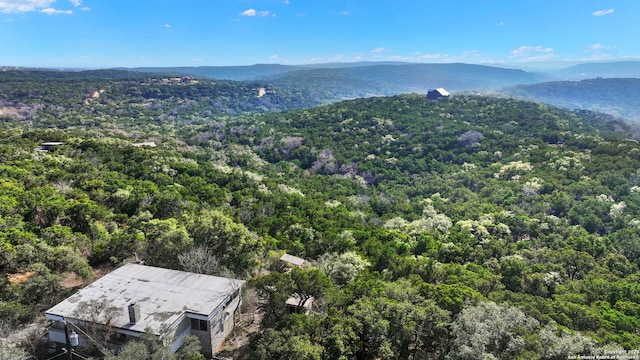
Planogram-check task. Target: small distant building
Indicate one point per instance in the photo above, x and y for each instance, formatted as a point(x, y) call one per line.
point(135, 299)
point(46, 146)
point(438, 94)
point(185, 80)
point(296, 305)
point(291, 261)
point(145, 144)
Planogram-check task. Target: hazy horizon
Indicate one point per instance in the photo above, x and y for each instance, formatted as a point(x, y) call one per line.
point(540, 66)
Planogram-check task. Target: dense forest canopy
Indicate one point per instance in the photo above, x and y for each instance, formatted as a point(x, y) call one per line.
point(470, 228)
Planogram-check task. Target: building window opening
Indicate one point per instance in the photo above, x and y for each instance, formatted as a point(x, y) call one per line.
point(200, 325)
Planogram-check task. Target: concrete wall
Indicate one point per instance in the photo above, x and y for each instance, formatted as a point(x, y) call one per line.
point(223, 324)
point(205, 340)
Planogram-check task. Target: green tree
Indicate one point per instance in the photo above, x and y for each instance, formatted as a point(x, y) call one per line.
point(163, 240)
point(342, 268)
point(513, 269)
point(147, 347)
point(42, 288)
point(490, 331)
point(559, 344)
point(237, 248)
point(576, 264)
point(307, 284)
point(286, 344)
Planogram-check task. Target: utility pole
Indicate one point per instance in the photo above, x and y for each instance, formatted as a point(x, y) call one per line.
point(68, 340)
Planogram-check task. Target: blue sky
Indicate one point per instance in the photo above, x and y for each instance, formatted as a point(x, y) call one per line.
point(130, 33)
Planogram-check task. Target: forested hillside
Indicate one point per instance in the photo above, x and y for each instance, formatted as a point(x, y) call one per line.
point(396, 79)
point(471, 228)
point(612, 69)
point(339, 81)
point(603, 87)
point(58, 95)
point(616, 96)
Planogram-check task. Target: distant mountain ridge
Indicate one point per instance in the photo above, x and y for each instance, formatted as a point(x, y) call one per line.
point(341, 81)
point(618, 69)
point(379, 78)
point(317, 84)
point(251, 72)
point(395, 79)
point(236, 73)
point(338, 81)
point(616, 96)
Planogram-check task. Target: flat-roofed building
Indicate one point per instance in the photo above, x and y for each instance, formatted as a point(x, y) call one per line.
point(292, 261)
point(170, 304)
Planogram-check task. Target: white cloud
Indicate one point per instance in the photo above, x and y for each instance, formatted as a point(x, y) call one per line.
point(599, 47)
point(286, 2)
point(52, 11)
point(431, 56)
point(325, 59)
point(601, 56)
point(17, 6)
point(8, 20)
point(468, 55)
point(167, 26)
point(345, 12)
point(602, 12)
point(278, 59)
point(471, 56)
point(379, 50)
point(254, 12)
point(532, 53)
point(75, 3)
point(599, 51)
point(501, 23)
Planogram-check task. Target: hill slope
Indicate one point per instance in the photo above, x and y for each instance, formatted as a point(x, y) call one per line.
point(327, 83)
point(618, 69)
point(617, 97)
point(382, 80)
point(362, 79)
point(236, 73)
point(418, 217)
point(155, 94)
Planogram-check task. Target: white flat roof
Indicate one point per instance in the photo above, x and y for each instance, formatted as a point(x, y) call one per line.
point(443, 92)
point(294, 301)
point(292, 259)
point(52, 143)
point(146, 143)
point(163, 295)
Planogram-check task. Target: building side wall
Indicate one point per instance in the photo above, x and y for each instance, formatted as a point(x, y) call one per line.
point(110, 337)
point(229, 324)
point(178, 335)
point(222, 324)
point(205, 341)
